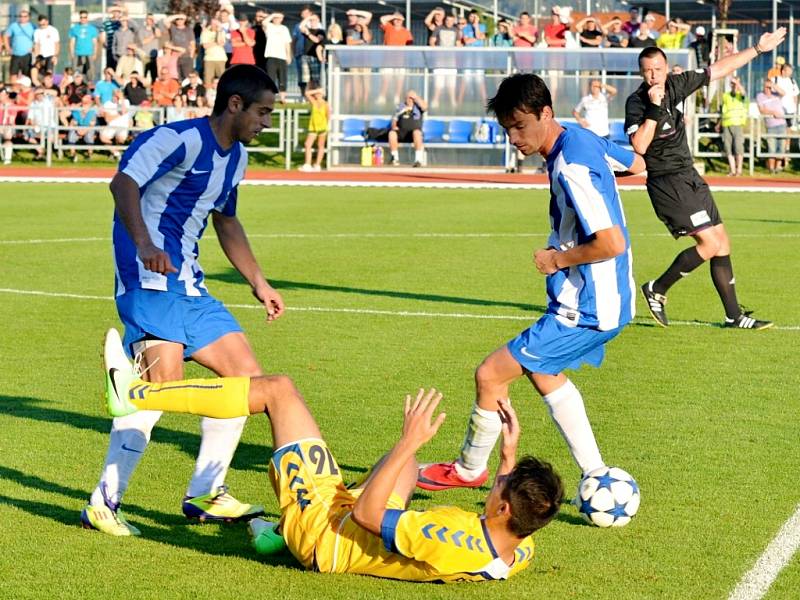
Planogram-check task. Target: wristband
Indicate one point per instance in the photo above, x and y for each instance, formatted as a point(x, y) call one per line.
point(653, 112)
point(758, 50)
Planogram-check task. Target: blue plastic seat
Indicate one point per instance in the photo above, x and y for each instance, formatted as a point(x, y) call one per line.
point(380, 123)
point(353, 130)
point(433, 130)
point(616, 133)
point(497, 134)
point(460, 132)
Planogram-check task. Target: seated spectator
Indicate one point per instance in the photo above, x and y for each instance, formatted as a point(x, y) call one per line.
point(134, 90)
point(105, 88)
point(23, 86)
point(642, 38)
point(116, 114)
point(83, 119)
point(524, 32)
point(592, 111)
point(49, 87)
point(242, 42)
point(127, 65)
point(165, 88)
point(73, 89)
point(674, 37)
point(8, 119)
point(771, 107)
point(474, 32)
point(502, 37)
point(169, 60)
point(555, 32)
point(407, 127)
point(176, 112)
point(213, 41)
point(194, 92)
point(143, 118)
point(735, 106)
point(41, 117)
point(590, 32)
point(615, 37)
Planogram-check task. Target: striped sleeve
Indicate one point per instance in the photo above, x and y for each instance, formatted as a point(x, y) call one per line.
point(153, 156)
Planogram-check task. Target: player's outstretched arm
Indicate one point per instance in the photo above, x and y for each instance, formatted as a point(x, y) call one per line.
point(419, 426)
point(127, 202)
point(766, 43)
point(233, 241)
point(606, 243)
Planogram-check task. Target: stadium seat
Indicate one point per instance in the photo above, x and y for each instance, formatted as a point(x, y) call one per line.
point(460, 132)
point(433, 130)
point(353, 130)
point(380, 123)
point(496, 133)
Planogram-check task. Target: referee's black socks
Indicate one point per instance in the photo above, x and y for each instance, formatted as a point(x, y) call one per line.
point(724, 281)
point(686, 262)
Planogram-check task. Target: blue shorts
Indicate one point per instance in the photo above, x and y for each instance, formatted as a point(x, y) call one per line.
point(194, 321)
point(549, 347)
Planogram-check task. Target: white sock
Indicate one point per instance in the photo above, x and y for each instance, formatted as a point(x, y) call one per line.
point(127, 442)
point(419, 156)
point(220, 438)
point(569, 414)
point(483, 429)
point(7, 152)
point(396, 155)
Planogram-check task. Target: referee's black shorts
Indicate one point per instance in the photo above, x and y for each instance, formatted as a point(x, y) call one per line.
point(683, 202)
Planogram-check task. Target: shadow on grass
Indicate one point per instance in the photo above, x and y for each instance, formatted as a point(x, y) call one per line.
point(248, 457)
point(232, 276)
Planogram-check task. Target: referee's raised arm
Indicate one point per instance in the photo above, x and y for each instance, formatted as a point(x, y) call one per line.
point(766, 43)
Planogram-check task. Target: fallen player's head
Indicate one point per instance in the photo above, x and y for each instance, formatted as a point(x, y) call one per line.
point(530, 494)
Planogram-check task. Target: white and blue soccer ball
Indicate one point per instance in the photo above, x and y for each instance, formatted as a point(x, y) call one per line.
point(608, 497)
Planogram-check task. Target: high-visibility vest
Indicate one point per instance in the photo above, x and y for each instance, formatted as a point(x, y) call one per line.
point(734, 110)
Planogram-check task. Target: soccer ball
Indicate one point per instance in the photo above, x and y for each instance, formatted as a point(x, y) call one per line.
point(608, 497)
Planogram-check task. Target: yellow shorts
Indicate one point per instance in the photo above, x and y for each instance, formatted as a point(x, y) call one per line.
point(315, 504)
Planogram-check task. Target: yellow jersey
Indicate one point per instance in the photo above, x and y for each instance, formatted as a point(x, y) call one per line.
point(443, 544)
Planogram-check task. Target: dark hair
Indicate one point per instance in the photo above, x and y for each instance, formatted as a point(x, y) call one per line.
point(83, 12)
point(246, 81)
point(525, 92)
point(534, 491)
point(42, 18)
point(651, 52)
point(525, 12)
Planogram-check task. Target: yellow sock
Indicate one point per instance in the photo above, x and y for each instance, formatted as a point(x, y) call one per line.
point(223, 398)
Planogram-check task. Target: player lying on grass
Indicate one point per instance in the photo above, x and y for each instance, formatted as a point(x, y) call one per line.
point(368, 530)
point(589, 281)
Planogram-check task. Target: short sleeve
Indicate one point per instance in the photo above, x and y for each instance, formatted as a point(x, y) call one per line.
point(688, 82)
point(621, 158)
point(634, 113)
point(152, 154)
point(229, 208)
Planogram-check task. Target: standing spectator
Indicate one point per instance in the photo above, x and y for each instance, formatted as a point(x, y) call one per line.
point(83, 119)
point(631, 26)
point(110, 27)
point(19, 42)
point(148, 39)
point(787, 88)
point(775, 70)
point(445, 36)
point(213, 41)
point(407, 127)
point(8, 119)
point(771, 107)
point(335, 35)
point(555, 32)
point(701, 47)
point(134, 90)
point(311, 30)
point(615, 37)
point(651, 23)
point(243, 40)
point(124, 38)
point(357, 33)
point(181, 37)
point(674, 37)
point(83, 46)
point(502, 37)
point(299, 44)
point(394, 34)
point(735, 107)
point(590, 32)
point(317, 126)
point(46, 44)
point(434, 20)
point(211, 93)
point(169, 60)
point(227, 24)
point(475, 31)
point(592, 111)
point(105, 88)
point(524, 32)
point(260, 47)
point(194, 92)
point(130, 63)
point(165, 88)
point(278, 51)
point(642, 38)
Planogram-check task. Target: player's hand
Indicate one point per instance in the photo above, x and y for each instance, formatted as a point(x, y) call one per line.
point(771, 40)
point(656, 94)
point(510, 429)
point(271, 299)
point(155, 259)
point(419, 424)
point(545, 260)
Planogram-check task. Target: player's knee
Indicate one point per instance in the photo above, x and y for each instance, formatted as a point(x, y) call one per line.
point(485, 375)
point(278, 388)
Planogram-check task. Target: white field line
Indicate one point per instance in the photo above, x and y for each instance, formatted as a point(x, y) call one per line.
point(441, 185)
point(367, 311)
point(289, 236)
point(757, 581)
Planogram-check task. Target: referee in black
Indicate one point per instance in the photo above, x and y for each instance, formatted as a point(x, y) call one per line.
point(680, 197)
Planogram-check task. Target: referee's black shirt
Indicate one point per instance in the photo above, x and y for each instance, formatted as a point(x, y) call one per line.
point(669, 151)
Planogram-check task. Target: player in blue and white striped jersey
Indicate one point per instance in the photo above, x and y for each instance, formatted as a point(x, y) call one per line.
point(170, 181)
point(590, 285)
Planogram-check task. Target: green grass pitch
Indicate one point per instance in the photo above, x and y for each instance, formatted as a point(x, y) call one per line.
point(704, 418)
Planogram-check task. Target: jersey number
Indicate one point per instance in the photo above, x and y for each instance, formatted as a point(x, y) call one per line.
point(318, 455)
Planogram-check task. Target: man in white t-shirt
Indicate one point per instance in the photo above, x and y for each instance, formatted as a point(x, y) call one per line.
point(592, 111)
point(46, 44)
point(278, 51)
point(787, 89)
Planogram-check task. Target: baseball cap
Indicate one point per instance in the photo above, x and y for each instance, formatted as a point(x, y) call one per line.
point(700, 30)
point(780, 61)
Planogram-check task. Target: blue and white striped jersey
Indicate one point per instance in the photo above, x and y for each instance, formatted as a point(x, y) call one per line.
point(583, 200)
point(183, 174)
